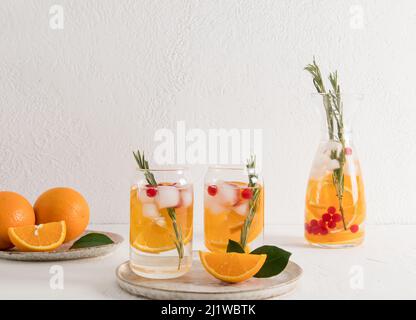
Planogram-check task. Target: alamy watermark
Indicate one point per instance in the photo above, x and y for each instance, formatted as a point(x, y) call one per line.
point(212, 146)
point(356, 17)
point(356, 277)
point(56, 17)
point(56, 281)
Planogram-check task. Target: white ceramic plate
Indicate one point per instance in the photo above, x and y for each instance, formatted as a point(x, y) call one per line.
point(63, 252)
point(197, 284)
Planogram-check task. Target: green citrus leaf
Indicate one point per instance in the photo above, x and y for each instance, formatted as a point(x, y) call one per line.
point(234, 246)
point(92, 240)
point(276, 261)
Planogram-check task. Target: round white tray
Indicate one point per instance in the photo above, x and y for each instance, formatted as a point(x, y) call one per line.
point(63, 252)
point(197, 284)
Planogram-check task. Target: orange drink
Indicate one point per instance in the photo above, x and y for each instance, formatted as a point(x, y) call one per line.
point(161, 218)
point(228, 205)
point(329, 221)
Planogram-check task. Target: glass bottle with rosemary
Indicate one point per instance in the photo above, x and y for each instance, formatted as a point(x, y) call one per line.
point(335, 202)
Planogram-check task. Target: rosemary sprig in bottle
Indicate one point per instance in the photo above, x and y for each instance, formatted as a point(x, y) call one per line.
point(252, 178)
point(144, 165)
point(335, 123)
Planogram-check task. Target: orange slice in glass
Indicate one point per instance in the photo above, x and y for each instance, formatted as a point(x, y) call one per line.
point(154, 238)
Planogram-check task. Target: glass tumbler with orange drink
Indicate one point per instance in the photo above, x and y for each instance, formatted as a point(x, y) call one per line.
point(233, 208)
point(161, 217)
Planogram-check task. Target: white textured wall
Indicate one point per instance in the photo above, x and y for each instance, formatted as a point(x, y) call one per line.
point(75, 102)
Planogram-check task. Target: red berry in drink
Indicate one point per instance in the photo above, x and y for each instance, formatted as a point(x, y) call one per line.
point(332, 224)
point(337, 217)
point(314, 223)
point(315, 229)
point(151, 192)
point(326, 217)
point(212, 190)
point(247, 193)
point(324, 231)
point(348, 151)
point(322, 223)
point(331, 210)
point(354, 228)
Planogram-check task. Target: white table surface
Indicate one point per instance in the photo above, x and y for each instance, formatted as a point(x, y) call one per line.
point(384, 267)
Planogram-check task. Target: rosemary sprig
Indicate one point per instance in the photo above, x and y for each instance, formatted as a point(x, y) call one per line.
point(335, 123)
point(144, 165)
point(252, 178)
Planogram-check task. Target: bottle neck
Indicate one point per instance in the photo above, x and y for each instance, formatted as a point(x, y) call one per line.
point(346, 135)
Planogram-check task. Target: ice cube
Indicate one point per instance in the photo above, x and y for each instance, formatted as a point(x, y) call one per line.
point(150, 211)
point(213, 204)
point(186, 198)
point(227, 194)
point(241, 208)
point(333, 164)
point(143, 197)
point(331, 146)
point(167, 197)
point(161, 222)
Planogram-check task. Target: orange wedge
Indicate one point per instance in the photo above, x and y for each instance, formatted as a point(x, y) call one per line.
point(147, 235)
point(42, 237)
point(232, 267)
point(154, 238)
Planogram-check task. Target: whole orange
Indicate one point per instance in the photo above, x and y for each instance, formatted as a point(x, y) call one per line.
point(15, 211)
point(65, 204)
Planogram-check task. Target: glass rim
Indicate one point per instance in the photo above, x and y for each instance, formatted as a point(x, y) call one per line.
point(227, 167)
point(235, 184)
point(164, 169)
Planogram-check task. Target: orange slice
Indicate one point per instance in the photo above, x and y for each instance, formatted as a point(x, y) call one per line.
point(147, 235)
point(157, 240)
point(42, 237)
point(154, 238)
point(336, 238)
point(232, 267)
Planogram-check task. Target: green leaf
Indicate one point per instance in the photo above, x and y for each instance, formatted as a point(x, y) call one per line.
point(276, 261)
point(92, 240)
point(234, 246)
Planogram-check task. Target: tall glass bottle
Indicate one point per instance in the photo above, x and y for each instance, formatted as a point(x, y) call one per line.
point(335, 207)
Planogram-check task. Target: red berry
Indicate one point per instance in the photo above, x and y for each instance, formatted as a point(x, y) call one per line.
point(331, 210)
point(324, 231)
point(326, 217)
point(212, 190)
point(315, 229)
point(348, 151)
point(247, 193)
point(151, 192)
point(322, 223)
point(314, 223)
point(354, 228)
point(332, 224)
point(337, 217)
